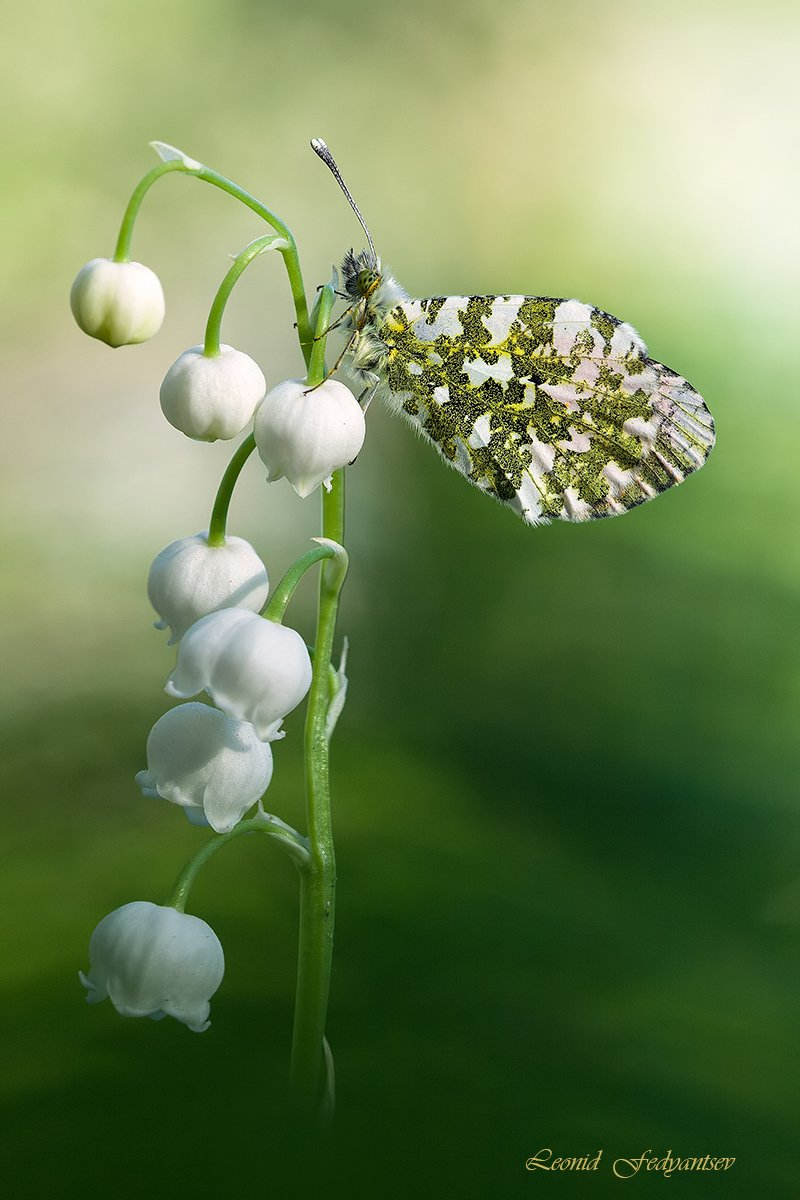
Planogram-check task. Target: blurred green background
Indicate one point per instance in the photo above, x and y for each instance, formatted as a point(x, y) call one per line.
point(565, 782)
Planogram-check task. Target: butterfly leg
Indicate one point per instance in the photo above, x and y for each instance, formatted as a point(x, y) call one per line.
point(369, 391)
point(334, 324)
point(341, 295)
point(336, 365)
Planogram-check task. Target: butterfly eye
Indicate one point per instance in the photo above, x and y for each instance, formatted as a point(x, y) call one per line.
point(367, 281)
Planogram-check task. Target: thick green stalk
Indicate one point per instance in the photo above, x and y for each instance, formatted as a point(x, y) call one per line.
point(318, 880)
point(308, 1082)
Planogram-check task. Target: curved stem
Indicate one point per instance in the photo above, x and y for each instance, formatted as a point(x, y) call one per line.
point(242, 260)
point(289, 254)
point(123, 247)
point(179, 162)
point(283, 593)
point(219, 513)
point(291, 841)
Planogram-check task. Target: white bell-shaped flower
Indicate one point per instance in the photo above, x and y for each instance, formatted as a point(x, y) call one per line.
point(253, 669)
point(189, 579)
point(155, 962)
point(212, 397)
point(121, 303)
point(214, 767)
point(305, 434)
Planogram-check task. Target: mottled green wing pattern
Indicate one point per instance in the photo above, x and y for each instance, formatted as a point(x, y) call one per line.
point(551, 406)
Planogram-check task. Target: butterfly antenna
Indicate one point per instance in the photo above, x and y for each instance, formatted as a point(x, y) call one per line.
point(319, 147)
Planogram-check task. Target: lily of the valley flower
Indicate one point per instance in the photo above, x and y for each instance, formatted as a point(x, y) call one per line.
point(155, 962)
point(214, 767)
point(305, 434)
point(121, 303)
point(252, 668)
point(189, 579)
point(210, 397)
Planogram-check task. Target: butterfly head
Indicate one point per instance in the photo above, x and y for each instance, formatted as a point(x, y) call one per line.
point(370, 290)
point(361, 274)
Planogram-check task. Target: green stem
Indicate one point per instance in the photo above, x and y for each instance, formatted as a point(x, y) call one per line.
point(322, 313)
point(283, 593)
point(122, 252)
point(242, 260)
point(219, 513)
point(289, 252)
point(291, 841)
point(318, 880)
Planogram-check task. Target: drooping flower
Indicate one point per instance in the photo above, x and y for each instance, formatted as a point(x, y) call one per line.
point(153, 961)
point(121, 303)
point(252, 668)
point(211, 765)
point(211, 397)
point(305, 434)
point(189, 579)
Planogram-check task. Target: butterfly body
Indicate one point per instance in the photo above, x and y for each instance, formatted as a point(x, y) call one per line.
point(549, 405)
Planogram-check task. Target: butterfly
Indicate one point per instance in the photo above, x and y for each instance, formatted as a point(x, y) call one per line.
point(551, 406)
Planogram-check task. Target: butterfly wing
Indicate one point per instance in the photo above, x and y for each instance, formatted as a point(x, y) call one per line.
point(551, 406)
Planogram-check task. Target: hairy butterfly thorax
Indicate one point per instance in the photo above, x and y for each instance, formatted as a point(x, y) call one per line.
point(551, 406)
point(371, 295)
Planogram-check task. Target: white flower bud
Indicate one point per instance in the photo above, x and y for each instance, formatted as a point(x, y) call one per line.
point(120, 303)
point(253, 669)
point(189, 579)
point(210, 398)
point(155, 962)
point(212, 766)
point(307, 435)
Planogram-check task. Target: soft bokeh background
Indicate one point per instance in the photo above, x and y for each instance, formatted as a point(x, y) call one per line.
point(565, 782)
